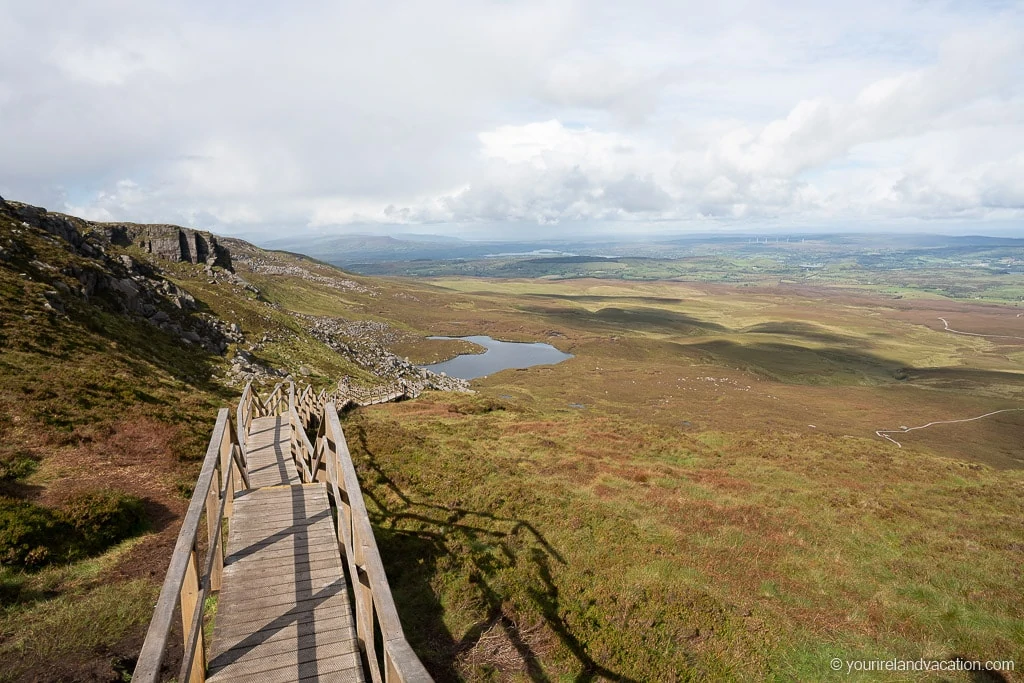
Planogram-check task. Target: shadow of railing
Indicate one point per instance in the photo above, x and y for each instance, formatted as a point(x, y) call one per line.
point(414, 538)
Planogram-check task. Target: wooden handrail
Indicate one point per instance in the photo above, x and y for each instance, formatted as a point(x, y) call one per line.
point(272, 406)
point(301, 449)
point(374, 604)
point(243, 418)
point(187, 583)
point(346, 394)
point(329, 459)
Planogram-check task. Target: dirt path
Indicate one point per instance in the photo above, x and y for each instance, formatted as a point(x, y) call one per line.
point(884, 433)
point(975, 334)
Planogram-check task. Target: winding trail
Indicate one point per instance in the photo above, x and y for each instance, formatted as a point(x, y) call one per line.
point(884, 433)
point(975, 334)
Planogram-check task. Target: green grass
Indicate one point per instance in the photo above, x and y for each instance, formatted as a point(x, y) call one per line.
point(68, 614)
point(930, 278)
point(781, 543)
point(608, 574)
point(719, 509)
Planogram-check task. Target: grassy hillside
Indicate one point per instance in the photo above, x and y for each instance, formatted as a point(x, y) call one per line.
point(90, 401)
point(699, 493)
point(104, 415)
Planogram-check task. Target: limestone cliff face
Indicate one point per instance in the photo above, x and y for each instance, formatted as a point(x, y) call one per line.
point(164, 241)
point(172, 243)
point(98, 276)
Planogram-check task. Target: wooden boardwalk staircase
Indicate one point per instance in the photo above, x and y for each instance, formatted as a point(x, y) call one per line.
point(289, 553)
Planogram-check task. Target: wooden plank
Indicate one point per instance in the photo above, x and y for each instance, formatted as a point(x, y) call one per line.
point(265, 547)
point(269, 582)
point(279, 513)
point(304, 599)
point(246, 624)
point(284, 519)
point(319, 562)
point(283, 522)
point(284, 528)
point(290, 586)
point(284, 613)
point(330, 627)
point(257, 563)
point(311, 546)
point(284, 550)
point(340, 669)
point(268, 454)
point(307, 648)
point(285, 491)
point(272, 513)
point(284, 504)
point(283, 605)
point(281, 527)
point(302, 569)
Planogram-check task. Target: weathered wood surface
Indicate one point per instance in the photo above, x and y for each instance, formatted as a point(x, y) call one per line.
point(284, 611)
point(267, 454)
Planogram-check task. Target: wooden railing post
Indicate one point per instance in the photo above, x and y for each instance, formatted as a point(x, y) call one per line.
point(189, 599)
point(371, 593)
point(213, 534)
point(226, 462)
point(187, 583)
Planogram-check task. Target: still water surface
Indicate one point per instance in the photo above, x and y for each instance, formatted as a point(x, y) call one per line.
point(500, 355)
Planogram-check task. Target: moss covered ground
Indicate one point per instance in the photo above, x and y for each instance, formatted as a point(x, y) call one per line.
point(698, 494)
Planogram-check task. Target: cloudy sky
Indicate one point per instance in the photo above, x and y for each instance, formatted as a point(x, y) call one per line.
point(539, 117)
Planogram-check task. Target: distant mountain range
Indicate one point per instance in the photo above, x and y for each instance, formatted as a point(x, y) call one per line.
point(352, 250)
point(344, 250)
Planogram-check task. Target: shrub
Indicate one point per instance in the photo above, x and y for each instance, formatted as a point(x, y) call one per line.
point(29, 533)
point(476, 406)
point(16, 465)
point(32, 535)
point(99, 519)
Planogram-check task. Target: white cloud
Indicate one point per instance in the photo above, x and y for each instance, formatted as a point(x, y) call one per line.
point(245, 117)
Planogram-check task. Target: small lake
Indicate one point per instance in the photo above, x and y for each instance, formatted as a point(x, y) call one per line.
point(500, 355)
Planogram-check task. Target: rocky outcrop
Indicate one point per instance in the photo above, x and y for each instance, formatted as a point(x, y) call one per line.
point(245, 368)
point(267, 266)
point(365, 343)
point(170, 242)
point(122, 283)
point(70, 229)
point(103, 274)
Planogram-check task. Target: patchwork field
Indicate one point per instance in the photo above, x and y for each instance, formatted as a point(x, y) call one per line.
point(700, 492)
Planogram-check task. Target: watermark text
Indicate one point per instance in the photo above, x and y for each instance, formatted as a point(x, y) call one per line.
point(851, 666)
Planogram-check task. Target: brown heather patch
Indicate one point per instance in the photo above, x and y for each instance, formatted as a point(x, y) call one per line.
point(573, 470)
point(135, 456)
point(507, 648)
point(672, 528)
point(720, 480)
